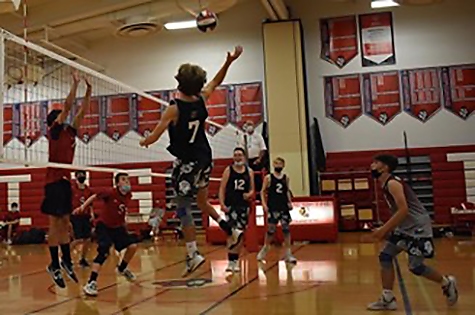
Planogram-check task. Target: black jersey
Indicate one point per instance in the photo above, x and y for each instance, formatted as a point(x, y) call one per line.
point(188, 141)
point(278, 198)
point(238, 184)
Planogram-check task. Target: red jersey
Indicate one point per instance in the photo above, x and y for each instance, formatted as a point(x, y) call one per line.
point(114, 207)
point(61, 145)
point(80, 196)
point(12, 216)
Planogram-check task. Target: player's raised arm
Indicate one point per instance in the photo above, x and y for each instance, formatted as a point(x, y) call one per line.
point(68, 104)
point(222, 188)
point(219, 77)
point(170, 115)
point(84, 106)
point(265, 186)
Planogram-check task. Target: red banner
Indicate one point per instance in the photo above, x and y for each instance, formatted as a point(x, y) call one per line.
point(90, 124)
point(339, 40)
point(217, 105)
point(246, 104)
point(377, 39)
point(422, 94)
point(149, 112)
point(459, 90)
point(343, 99)
point(381, 96)
point(118, 119)
point(7, 123)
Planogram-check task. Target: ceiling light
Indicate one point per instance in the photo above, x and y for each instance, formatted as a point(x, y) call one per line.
point(377, 4)
point(180, 25)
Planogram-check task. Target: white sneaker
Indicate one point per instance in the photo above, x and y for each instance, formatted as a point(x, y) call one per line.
point(450, 291)
point(289, 258)
point(262, 253)
point(127, 274)
point(383, 305)
point(192, 263)
point(9, 242)
point(236, 238)
point(231, 266)
point(236, 268)
point(90, 288)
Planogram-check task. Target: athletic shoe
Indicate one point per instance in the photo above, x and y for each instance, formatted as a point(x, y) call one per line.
point(236, 238)
point(90, 289)
point(84, 264)
point(289, 258)
point(231, 265)
point(193, 263)
point(236, 268)
point(450, 291)
point(56, 276)
point(383, 305)
point(68, 268)
point(262, 253)
point(127, 274)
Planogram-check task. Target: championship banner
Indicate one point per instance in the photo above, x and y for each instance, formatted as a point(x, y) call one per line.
point(118, 120)
point(30, 122)
point(343, 99)
point(91, 121)
point(217, 105)
point(339, 40)
point(459, 89)
point(246, 103)
point(377, 39)
point(381, 96)
point(422, 93)
point(7, 123)
point(149, 112)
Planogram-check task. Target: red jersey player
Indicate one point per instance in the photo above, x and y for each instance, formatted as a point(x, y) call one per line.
point(82, 226)
point(57, 202)
point(111, 229)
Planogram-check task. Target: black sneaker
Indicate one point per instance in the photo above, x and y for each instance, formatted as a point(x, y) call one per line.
point(68, 268)
point(84, 264)
point(56, 276)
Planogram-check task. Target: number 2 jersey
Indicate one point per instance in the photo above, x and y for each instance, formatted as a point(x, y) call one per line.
point(277, 194)
point(238, 184)
point(188, 141)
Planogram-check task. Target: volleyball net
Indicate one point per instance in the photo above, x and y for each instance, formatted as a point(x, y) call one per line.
point(36, 80)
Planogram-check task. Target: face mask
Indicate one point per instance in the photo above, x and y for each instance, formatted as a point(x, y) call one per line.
point(376, 174)
point(278, 169)
point(239, 163)
point(125, 188)
point(81, 179)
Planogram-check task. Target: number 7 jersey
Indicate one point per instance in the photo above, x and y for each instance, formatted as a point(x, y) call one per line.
point(188, 141)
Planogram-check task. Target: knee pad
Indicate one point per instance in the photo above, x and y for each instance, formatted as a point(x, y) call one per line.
point(186, 219)
point(271, 230)
point(385, 260)
point(102, 254)
point(419, 270)
point(285, 229)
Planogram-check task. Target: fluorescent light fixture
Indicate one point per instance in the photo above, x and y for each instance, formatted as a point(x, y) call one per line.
point(180, 25)
point(377, 4)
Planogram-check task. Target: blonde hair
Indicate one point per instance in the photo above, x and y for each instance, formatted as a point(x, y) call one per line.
point(191, 79)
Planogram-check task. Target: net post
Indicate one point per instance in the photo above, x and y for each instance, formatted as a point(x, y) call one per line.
point(2, 86)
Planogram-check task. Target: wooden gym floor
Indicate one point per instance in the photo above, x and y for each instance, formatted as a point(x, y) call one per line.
point(329, 279)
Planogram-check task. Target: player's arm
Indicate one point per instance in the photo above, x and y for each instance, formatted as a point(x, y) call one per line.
point(289, 192)
point(265, 187)
point(396, 189)
point(219, 77)
point(222, 187)
point(68, 104)
point(84, 106)
point(86, 205)
point(170, 115)
point(252, 188)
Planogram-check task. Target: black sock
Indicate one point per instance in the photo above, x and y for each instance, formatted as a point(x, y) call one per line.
point(53, 252)
point(93, 276)
point(225, 227)
point(66, 253)
point(233, 257)
point(122, 266)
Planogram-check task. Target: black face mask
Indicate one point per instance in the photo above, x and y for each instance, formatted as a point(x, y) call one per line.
point(81, 179)
point(376, 174)
point(278, 169)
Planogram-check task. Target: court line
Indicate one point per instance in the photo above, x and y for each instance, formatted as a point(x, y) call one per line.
point(234, 292)
point(113, 285)
point(402, 288)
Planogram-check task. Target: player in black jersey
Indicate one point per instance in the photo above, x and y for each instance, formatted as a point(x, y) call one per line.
point(235, 192)
point(185, 120)
point(276, 201)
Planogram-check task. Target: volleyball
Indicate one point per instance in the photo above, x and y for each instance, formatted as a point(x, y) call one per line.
point(206, 21)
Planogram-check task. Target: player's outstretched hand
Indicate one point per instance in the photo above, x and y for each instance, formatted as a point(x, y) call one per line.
point(76, 78)
point(77, 211)
point(88, 82)
point(144, 143)
point(236, 54)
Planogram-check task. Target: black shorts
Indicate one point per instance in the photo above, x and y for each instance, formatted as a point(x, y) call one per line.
point(58, 199)
point(82, 226)
point(119, 237)
point(238, 217)
point(276, 216)
point(189, 177)
point(414, 246)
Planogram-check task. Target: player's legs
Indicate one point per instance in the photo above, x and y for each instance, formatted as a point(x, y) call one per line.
point(82, 234)
point(272, 221)
point(9, 234)
point(104, 242)
point(285, 222)
point(64, 240)
point(237, 217)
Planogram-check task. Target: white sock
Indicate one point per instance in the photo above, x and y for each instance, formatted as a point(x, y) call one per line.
point(191, 248)
point(288, 252)
point(445, 281)
point(388, 295)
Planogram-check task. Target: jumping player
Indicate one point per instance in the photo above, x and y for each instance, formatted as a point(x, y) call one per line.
point(276, 200)
point(185, 120)
point(111, 229)
point(409, 230)
point(57, 203)
point(235, 192)
point(82, 225)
